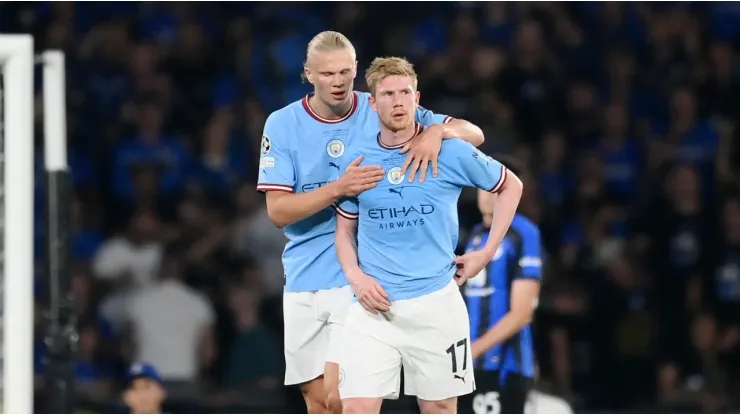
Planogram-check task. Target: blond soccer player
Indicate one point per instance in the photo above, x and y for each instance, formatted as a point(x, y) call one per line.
point(300, 175)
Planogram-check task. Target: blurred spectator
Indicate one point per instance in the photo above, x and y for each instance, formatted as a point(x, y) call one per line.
point(725, 283)
point(528, 82)
point(620, 154)
point(133, 257)
point(144, 393)
point(127, 263)
point(224, 163)
point(255, 236)
point(95, 371)
point(150, 147)
point(172, 328)
point(253, 363)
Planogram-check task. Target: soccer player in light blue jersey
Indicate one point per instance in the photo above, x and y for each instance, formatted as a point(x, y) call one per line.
point(299, 171)
point(395, 243)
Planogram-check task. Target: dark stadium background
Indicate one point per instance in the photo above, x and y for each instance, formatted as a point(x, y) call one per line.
point(625, 112)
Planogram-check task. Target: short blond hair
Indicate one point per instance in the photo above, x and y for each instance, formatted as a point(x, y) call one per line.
point(326, 41)
point(382, 68)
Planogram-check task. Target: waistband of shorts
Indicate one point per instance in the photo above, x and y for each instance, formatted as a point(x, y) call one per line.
point(447, 289)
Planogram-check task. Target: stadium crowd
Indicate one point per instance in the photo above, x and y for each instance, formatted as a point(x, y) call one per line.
point(625, 113)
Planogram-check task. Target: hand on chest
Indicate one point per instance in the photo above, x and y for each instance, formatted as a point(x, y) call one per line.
point(395, 189)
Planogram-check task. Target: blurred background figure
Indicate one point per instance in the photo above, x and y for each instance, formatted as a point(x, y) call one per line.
point(144, 393)
point(625, 114)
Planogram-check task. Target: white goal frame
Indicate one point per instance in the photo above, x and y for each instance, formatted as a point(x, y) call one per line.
point(17, 62)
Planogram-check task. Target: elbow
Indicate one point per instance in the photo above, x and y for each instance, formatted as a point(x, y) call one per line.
point(475, 134)
point(276, 218)
point(527, 318)
point(478, 136)
point(524, 318)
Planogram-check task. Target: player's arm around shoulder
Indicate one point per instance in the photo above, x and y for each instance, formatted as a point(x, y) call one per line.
point(450, 127)
point(425, 148)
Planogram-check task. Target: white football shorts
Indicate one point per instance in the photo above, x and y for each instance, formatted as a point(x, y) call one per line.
point(429, 336)
point(313, 331)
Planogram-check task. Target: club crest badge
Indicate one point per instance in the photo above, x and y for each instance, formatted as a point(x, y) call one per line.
point(395, 176)
point(335, 148)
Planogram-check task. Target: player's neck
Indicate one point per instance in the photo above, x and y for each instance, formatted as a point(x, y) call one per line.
point(396, 138)
point(328, 112)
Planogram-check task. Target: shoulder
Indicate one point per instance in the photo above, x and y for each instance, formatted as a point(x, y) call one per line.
point(285, 117)
point(198, 301)
point(363, 104)
point(524, 226)
point(117, 244)
point(459, 147)
point(423, 111)
point(283, 114)
point(363, 97)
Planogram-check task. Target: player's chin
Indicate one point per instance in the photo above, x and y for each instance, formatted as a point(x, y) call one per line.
point(398, 123)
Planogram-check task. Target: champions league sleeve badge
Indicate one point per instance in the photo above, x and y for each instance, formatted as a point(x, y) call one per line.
point(265, 145)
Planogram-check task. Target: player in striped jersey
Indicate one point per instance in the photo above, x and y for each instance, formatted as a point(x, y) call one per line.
point(501, 301)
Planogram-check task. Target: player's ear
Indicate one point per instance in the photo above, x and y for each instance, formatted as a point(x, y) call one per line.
point(372, 103)
point(354, 71)
point(418, 96)
point(307, 74)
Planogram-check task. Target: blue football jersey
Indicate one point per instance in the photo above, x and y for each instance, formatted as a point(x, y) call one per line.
point(300, 152)
point(407, 232)
point(488, 295)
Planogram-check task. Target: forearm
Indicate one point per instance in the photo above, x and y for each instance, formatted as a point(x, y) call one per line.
point(504, 329)
point(464, 130)
point(504, 209)
point(285, 208)
point(345, 242)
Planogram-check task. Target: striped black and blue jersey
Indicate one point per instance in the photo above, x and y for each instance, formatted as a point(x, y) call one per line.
point(488, 295)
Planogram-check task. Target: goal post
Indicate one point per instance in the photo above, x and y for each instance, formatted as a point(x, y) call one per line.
point(17, 63)
point(61, 334)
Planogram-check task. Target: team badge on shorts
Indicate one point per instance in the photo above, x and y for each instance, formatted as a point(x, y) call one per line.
point(265, 146)
point(335, 148)
point(395, 176)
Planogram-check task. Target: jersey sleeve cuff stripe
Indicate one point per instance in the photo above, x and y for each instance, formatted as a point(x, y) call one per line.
point(500, 182)
point(264, 187)
point(346, 214)
point(447, 119)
